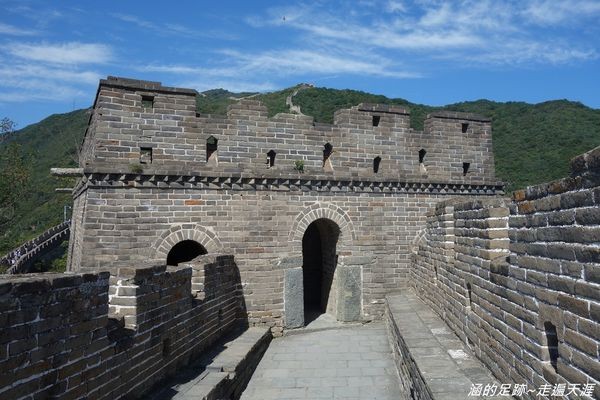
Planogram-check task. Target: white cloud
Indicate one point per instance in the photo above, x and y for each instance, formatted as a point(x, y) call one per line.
point(522, 53)
point(65, 53)
point(246, 71)
point(395, 6)
point(482, 31)
point(26, 82)
point(302, 61)
point(548, 12)
point(49, 71)
point(6, 29)
point(167, 28)
point(25, 72)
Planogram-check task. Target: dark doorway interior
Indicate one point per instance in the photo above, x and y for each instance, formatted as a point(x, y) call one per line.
point(319, 262)
point(185, 250)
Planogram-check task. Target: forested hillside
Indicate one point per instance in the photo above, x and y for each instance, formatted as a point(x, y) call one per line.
point(532, 143)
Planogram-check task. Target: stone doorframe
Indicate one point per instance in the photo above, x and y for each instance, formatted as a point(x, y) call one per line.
point(349, 273)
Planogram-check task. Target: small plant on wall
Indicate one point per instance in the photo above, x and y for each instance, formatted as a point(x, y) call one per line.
point(136, 168)
point(299, 165)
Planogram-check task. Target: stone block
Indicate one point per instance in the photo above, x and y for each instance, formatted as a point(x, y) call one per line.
point(349, 295)
point(574, 305)
point(293, 293)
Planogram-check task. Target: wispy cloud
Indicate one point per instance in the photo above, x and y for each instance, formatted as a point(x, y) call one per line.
point(6, 29)
point(41, 72)
point(303, 61)
point(167, 28)
point(20, 74)
point(254, 71)
point(387, 39)
point(395, 6)
point(482, 31)
point(64, 53)
point(548, 12)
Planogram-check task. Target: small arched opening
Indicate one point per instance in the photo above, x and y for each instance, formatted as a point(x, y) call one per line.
point(327, 152)
point(212, 145)
point(422, 166)
point(469, 294)
point(376, 163)
point(552, 343)
point(319, 257)
point(271, 158)
point(183, 251)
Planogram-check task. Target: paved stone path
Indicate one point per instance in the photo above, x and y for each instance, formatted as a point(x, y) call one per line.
point(343, 363)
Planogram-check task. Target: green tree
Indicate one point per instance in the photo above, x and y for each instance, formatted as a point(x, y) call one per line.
point(15, 172)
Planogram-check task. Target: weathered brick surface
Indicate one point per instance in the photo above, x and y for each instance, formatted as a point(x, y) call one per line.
point(525, 262)
point(97, 336)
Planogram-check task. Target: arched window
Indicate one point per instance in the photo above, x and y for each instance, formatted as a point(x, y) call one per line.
point(211, 149)
point(422, 153)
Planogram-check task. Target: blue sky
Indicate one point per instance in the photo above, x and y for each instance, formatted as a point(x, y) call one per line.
point(433, 52)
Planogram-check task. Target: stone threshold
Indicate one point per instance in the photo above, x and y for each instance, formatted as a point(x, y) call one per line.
point(433, 363)
point(223, 371)
point(324, 322)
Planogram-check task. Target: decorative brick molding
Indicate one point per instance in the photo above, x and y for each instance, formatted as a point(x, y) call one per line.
point(323, 210)
point(177, 233)
point(175, 180)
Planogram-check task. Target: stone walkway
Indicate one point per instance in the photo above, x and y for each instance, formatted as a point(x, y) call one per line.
point(341, 363)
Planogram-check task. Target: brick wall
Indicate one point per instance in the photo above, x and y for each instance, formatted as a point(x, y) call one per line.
point(107, 337)
point(136, 225)
point(511, 273)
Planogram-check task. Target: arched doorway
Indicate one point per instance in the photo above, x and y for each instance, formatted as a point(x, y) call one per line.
point(319, 259)
point(185, 250)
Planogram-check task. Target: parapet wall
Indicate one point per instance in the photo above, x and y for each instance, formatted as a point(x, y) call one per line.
point(519, 280)
point(140, 126)
point(98, 336)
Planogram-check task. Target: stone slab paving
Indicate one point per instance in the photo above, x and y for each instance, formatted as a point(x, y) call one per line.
point(340, 363)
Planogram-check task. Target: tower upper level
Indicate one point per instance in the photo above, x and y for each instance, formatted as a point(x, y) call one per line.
point(143, 127)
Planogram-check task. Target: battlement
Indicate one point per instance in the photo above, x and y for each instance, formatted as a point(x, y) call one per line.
point(458, 115)
point(144, 127)
point(151, 86)
point(381, 108)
